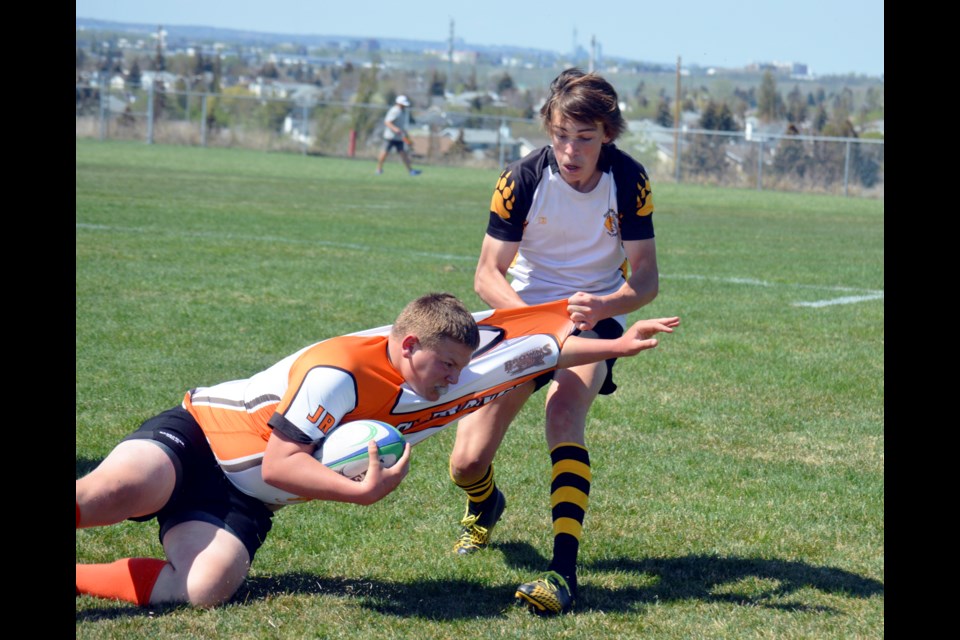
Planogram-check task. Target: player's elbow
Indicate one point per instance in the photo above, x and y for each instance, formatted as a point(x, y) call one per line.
point(655, 287)
point(267, 472)
point(651, 287)
point(272, 473)
point(486, 277)
point(479, 281)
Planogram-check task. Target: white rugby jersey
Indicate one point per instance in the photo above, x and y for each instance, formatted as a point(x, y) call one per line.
point(570, 241)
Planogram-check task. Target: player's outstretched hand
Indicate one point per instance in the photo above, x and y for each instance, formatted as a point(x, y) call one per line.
point(639, 336)
point(379, 481)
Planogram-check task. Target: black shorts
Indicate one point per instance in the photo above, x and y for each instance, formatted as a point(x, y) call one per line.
point(393, 144)
point(202, 491)
point(606, 329)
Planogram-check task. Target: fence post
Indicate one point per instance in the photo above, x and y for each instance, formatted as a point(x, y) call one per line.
point(679, 145)
point(203, 119)
point(103, 109)
point(759, 164)
point(306, 127)
point(846, 169)
point(501, 134)
point(150, 112)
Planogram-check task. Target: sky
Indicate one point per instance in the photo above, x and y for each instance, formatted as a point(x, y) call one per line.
point(829, 36)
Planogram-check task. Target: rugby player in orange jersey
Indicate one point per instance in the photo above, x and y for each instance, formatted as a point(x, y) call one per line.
point(213, 470)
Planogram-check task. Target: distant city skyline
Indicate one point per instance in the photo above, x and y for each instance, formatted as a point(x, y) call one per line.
point(831, 38)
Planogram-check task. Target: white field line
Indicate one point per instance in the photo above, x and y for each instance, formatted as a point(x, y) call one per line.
point(844, 300)
point(864, 294)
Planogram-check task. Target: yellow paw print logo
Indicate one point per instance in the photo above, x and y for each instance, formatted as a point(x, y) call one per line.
point(503, 197)
point(644, 197)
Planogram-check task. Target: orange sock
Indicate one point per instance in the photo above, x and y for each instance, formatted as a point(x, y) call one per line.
point(129, 579)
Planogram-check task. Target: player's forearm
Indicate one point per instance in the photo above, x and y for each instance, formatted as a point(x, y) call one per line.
point(637, 292)
point(641, 286)
point(302, 475)
point(577, 351)
point(291, 466)
point(495, 291)
point(639, 337)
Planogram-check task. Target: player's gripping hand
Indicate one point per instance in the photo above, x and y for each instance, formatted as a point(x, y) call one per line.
point(639, 337)
point(379, 482)
point(585, 309)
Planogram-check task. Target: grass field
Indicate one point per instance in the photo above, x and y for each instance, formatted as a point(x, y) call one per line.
point(738, 471)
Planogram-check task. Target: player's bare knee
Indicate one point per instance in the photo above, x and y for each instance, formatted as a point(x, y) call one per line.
point(210, 596)
point(565, 426)
point(212, 589)
point(466, 469)
point(209, 564)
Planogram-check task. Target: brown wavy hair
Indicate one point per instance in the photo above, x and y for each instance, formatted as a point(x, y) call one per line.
point(584, 97)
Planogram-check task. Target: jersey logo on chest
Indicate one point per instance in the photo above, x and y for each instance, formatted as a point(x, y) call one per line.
point(611, 223)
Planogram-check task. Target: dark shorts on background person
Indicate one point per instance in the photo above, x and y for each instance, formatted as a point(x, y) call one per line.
point(393, 144)
point(606, 329)
point(202, 492)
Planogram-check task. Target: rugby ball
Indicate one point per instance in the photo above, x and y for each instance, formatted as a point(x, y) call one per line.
point(345, 448)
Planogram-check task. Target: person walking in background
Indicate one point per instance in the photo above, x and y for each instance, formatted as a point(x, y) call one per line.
point(395, 134)
point(572, 220)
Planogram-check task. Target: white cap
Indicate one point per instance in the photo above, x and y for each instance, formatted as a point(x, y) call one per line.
point(403, 100)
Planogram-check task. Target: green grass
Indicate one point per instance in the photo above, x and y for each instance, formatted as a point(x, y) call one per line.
point(738, 471)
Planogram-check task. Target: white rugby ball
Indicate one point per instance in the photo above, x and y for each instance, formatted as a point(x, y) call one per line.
point(345, 448)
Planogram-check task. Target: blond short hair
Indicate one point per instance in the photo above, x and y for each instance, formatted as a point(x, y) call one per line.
point(435, 317)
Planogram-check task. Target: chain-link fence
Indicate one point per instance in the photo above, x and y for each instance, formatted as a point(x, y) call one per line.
point(310, 125)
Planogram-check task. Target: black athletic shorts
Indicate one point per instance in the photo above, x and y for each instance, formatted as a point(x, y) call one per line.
point(394, 144)
point(202, 491)
point(606, 329)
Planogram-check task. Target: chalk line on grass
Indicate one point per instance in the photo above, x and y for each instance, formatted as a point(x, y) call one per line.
point(865, 294)
point(843, 300)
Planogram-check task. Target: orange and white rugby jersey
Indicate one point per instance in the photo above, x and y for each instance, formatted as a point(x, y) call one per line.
point(350, 378)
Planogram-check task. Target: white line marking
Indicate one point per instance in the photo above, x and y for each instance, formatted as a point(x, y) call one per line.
point(759, 283)
point(763, 283)
point(866, 294)
point(844, 300)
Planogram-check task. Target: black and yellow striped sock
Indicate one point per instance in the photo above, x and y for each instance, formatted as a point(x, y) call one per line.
point(569, 495)
point(479, 493)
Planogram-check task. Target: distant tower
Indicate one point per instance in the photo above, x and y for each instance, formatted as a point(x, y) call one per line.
point(593, 53)
point(450, 57)
point(159, 60)
point(573, 48)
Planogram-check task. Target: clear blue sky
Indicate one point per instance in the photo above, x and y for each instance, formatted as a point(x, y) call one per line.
point(830, 36)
